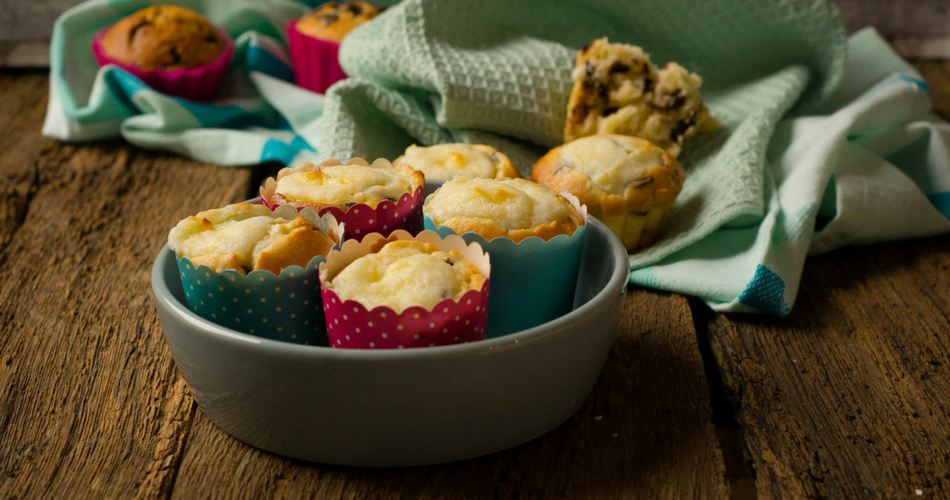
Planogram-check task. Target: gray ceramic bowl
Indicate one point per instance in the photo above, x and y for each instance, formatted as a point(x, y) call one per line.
point(398, 408)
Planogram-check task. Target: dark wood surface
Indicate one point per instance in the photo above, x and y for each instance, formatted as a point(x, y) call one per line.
point(847, 398)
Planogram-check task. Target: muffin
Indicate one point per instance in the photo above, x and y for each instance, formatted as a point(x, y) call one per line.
point(402, 291)
point(254, 270)
point(534, 236)
point(163, 37)
point(172, 49)
point(406, 273)
point(367, 198)
point(626, 182)
point(314, 41)
point(246, 237)
point(332, 21)
point(453, 161)
point(510, 208)
point(617, 90)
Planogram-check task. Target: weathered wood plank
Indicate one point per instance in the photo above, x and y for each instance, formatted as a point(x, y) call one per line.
point(849, 397)
point(646, 432)
point(90, 401)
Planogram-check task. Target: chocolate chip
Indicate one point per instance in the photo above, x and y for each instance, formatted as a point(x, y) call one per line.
point(328, 19)
point(352, 7)
point(619, 67)
point(176, 55)
point(603, 91)
point(680, 129)
point(609, 111)
point(578, 113)
point(589, 69)
point(647, 85)
point(348, 204)
point(669, 101)
point(643, 181)
point(210, 37)
point(585, 48)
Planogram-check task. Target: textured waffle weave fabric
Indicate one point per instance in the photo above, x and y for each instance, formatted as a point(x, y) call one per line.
point(806, 132)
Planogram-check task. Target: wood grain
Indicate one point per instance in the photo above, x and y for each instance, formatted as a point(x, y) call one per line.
point(645, 432)
point(90, 401)
point(849, 397)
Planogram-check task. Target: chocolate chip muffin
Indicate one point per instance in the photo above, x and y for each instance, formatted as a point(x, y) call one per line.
point(626, 182)
point(163, 37)
point(332, 21)
point(617, 90)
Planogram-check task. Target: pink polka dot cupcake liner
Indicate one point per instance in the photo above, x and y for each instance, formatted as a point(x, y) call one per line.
point(350, 325)
point(287, 307)
point(316, 62)
point(195, 84)
point(361, 219)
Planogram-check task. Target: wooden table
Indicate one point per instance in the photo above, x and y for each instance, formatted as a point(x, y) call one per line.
point(849, 397)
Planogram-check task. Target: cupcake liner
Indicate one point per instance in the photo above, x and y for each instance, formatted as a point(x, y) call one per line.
point(351, 326)
point(533, 280)
point(316, 63)
point(195, 84)
point(286, 307)
point(361, 219)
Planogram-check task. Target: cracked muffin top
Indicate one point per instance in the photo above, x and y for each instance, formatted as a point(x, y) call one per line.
point(163, 37)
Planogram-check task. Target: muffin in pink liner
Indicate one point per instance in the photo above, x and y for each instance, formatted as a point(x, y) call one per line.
point(314, 41)
point(402, 292)
point(171, 49)
point(377, 198)
point(315, 61)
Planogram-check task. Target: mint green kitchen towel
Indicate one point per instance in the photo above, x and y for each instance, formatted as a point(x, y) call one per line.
point(805, 134)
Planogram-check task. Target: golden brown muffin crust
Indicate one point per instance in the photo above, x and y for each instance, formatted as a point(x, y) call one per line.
point(332, 21)
point(628, 183)
point(163, 37)
point(617, 90)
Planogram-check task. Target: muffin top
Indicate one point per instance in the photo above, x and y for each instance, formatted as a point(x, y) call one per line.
point(163, 37)
point(612, 172)
point(332, 21)
point(617, 90)
point(246, 237)
point(512, 208)
point(454, 161)
point(345, 185)
point(406, 273)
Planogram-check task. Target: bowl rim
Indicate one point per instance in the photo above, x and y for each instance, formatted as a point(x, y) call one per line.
point(163, 294)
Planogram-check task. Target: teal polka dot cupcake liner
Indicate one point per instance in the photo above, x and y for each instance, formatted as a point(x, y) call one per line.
point(287, 307)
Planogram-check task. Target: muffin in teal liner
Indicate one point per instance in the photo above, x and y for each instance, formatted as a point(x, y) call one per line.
point(534, 237)
point(257, 271)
